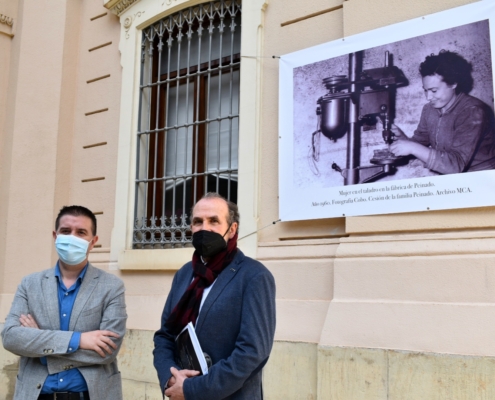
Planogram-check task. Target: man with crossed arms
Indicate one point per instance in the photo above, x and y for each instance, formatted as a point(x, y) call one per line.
point(67, 323)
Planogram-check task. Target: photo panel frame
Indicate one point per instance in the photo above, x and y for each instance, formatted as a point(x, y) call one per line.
point(344, 104)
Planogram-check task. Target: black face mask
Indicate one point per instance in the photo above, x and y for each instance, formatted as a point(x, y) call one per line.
point(208, 244)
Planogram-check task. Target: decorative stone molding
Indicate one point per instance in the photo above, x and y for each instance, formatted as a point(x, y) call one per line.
point(168, 2)
point(6, 20)
point(119, 6)
point(128, 22)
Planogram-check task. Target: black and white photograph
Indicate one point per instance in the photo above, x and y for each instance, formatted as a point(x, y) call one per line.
point(416, 108)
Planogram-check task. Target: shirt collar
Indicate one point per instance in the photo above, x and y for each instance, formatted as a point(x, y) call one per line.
point(452, 106)
point(80, 277)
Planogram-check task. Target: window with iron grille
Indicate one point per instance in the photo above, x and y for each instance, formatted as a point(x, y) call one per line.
point(187, 139)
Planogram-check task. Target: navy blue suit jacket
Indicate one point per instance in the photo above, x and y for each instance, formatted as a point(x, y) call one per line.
point(235, 327)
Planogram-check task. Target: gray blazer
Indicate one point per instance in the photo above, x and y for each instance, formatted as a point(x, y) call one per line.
point(99, 305)
point(235, 327)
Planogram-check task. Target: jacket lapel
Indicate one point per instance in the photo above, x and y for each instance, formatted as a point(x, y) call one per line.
point(222, 281)
point(86, 290)
point(49, 287)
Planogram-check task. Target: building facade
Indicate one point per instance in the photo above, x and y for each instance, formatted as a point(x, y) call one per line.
point(379, 307)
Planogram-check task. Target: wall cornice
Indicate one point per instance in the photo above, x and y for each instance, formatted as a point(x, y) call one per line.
point(119, 6)
point(4, 19)
point(6, 22)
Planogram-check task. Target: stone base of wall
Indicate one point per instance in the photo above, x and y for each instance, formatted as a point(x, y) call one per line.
point(139, 379)
point(9, 364)
point(306, 371)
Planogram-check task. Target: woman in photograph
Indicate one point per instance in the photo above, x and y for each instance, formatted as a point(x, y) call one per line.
point(456, 132)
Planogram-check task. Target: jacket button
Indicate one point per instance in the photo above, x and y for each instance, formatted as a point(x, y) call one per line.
point(38, 386)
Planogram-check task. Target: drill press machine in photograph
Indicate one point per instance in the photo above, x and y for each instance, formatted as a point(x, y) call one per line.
point(352, 105)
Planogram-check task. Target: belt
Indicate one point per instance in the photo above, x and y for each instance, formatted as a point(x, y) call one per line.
point(65, 396)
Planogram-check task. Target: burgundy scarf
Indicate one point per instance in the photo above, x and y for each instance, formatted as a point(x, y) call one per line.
point(187, 309)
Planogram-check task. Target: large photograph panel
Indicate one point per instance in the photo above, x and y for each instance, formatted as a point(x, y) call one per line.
point(415, 113)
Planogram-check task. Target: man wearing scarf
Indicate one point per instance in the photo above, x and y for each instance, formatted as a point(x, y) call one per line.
point(230, 299)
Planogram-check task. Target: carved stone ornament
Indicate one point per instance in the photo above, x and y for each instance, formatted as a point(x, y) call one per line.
point(168, 2)
point(128, 22)
point(119, 6)
point(6, 20)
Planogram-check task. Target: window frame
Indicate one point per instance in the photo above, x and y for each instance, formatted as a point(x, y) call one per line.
point(133, 20)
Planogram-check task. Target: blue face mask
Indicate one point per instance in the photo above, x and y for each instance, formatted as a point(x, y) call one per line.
point(70, 249)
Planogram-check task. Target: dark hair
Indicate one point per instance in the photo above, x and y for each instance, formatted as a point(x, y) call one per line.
point(452, 67)
point(76, 211)
point(233, 216)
